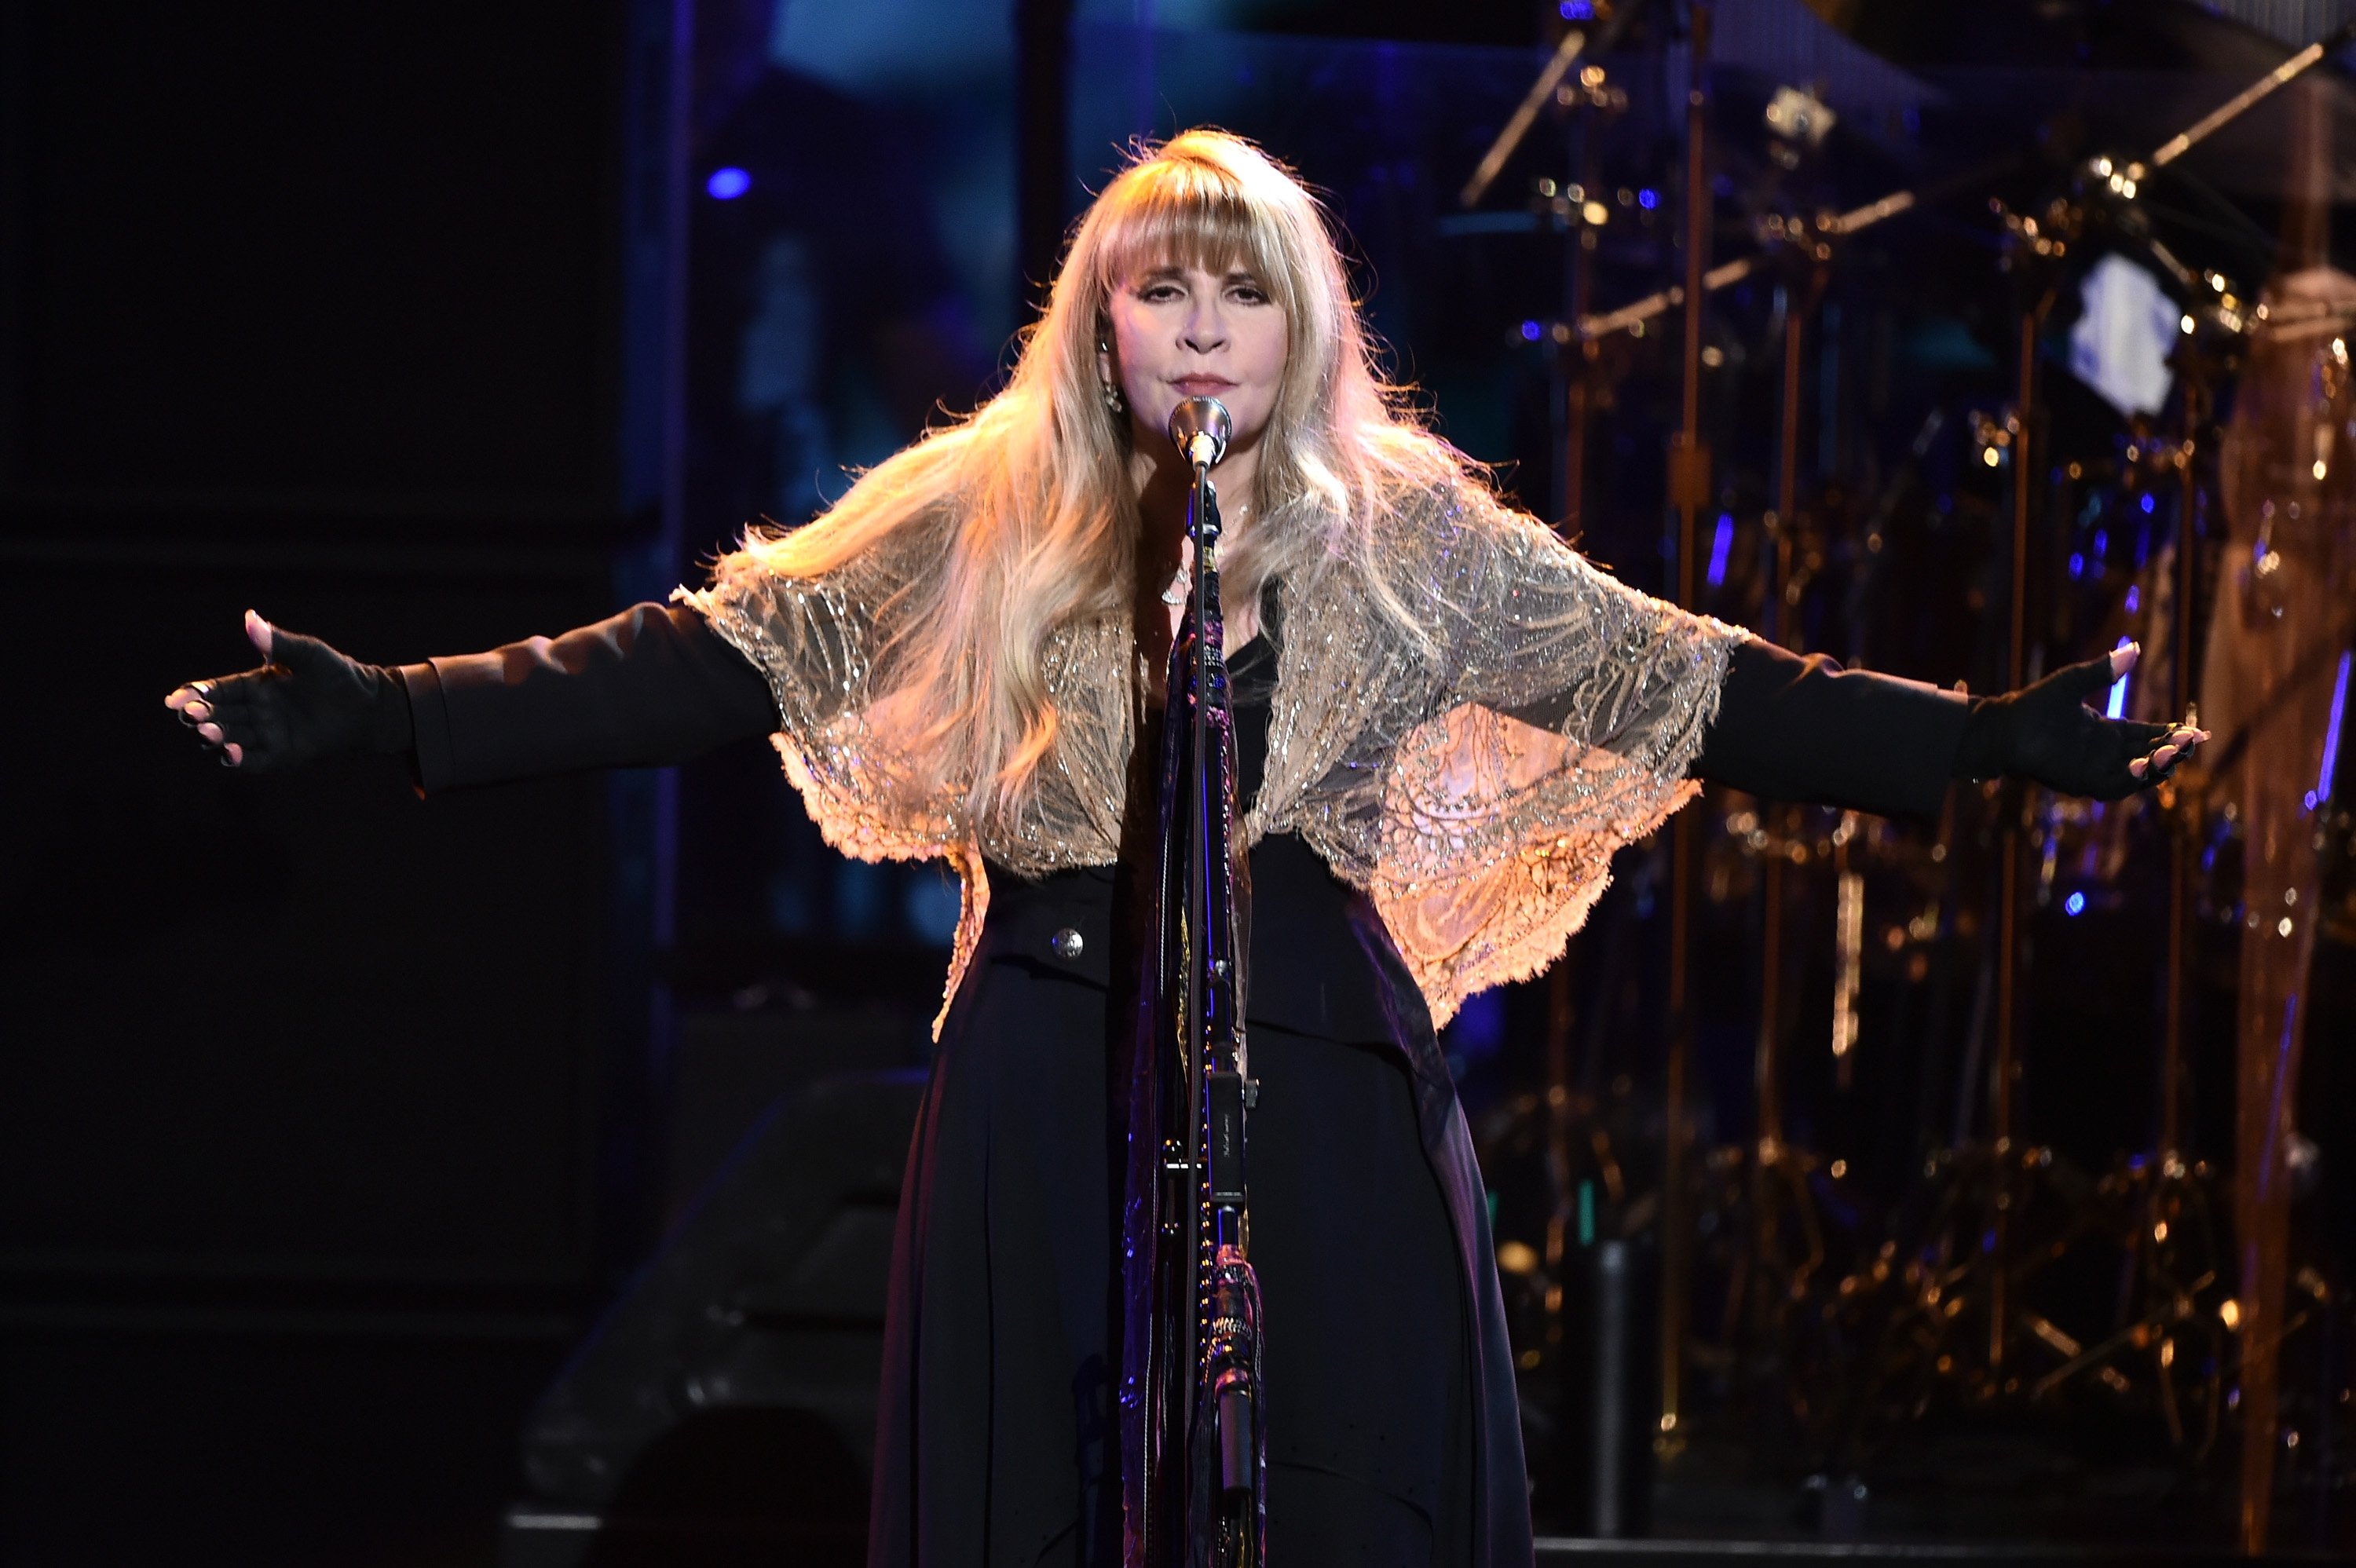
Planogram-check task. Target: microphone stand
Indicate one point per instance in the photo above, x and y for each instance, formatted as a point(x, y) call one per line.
point(1194, 1480)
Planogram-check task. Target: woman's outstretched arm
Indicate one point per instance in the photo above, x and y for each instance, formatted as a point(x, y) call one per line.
point(651, 686)
point(1533, 630)
point(1789, 728)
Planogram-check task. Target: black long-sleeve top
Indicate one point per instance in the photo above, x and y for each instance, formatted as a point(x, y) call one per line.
point(655, 685)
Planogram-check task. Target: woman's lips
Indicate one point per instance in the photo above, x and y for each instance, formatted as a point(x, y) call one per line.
point(1203, 385)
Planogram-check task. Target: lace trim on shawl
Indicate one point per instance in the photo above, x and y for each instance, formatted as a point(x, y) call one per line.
point(1484, 840)
point(810, 639)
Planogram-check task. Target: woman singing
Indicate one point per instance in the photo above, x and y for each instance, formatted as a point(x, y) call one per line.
point(1448, 720)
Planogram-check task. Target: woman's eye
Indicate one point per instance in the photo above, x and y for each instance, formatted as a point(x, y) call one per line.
point(1250, 293)
point(1155, 294)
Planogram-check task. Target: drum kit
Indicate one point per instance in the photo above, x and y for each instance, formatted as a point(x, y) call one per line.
point(1971, 1269)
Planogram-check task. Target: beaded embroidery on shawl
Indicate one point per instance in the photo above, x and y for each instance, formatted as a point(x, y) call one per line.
point(1484, 840)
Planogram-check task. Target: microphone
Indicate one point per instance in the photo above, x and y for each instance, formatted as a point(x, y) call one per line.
point(1199, 428)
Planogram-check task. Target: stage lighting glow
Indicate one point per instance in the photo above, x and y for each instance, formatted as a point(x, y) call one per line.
point(1719, 543)
point(2117, 706)
point(1648, 199)
point(2075, 904)
point(1531, 331)
point(728, 184)
point(2331, 735)
point(2122, 339)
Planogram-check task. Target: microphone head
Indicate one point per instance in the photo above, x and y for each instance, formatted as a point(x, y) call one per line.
point(1199, 428)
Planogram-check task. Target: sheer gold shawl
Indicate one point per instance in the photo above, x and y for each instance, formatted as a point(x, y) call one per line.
point(1483, 839)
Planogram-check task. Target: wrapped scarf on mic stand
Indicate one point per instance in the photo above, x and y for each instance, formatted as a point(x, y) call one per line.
point(1194, 1431)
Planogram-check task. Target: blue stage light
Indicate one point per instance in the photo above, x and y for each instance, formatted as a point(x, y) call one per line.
point(727, 185)
point(2075, 904)
point(2322, 791)
point(1531, 331)
point(1719, 543)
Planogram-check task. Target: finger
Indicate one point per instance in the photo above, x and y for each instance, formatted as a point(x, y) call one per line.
point(2137, 767)
point(2087, 680)
point(232, 754)
point(2123, 658)
point(180, 697)
point(197, 710)
point(212, 732)
point(294, 652)
point(259, 633)
point(2164, 756)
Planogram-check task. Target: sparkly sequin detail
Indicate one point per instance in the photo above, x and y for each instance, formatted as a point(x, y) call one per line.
point(1483, 840)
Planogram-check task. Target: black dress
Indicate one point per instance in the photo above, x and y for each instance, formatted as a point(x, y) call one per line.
point(998, 1424)
point(1393, 1432)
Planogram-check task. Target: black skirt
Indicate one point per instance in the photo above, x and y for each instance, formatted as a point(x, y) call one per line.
point(1392, 1434)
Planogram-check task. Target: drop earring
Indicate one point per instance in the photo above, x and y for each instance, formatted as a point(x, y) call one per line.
point(1116, 402)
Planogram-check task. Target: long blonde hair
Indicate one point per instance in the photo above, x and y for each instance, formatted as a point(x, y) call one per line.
point(1029, 499)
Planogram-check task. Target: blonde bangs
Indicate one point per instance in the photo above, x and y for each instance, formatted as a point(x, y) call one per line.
point(1177, 211)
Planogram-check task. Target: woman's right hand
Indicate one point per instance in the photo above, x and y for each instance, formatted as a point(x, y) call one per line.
point(305, 701)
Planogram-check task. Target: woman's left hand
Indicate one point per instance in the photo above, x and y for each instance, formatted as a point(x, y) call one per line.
point(2051, 733)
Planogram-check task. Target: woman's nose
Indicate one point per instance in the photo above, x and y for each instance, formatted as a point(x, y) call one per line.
point(1204, 331)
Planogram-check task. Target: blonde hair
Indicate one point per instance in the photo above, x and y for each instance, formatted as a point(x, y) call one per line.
point(1029, 499)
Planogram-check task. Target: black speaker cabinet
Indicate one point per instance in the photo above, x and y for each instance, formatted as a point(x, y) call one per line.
point(728, 1400)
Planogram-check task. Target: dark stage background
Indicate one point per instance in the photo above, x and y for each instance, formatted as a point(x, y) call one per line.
point(327, 1115)
point(333, 1121)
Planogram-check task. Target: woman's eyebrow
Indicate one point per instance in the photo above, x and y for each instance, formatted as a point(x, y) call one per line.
point(1174, 271)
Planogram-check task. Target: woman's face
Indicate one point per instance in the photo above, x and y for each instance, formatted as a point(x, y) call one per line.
point(1181, 332)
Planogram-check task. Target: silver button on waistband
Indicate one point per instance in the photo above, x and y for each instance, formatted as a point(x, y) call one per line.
point(1067, 943)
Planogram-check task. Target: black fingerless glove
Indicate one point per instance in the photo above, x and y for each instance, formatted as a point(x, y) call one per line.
point(309, 702)
point(2049, 733)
